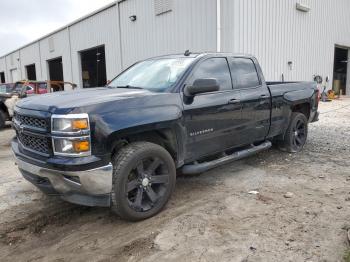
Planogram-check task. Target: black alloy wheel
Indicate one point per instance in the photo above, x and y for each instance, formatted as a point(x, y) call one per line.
point(299, 133)
point(296, 134)
point(147, 183)
point(144, 177)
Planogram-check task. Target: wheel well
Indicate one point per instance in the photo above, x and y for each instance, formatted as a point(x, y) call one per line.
point(302, 108)
point(163, 137)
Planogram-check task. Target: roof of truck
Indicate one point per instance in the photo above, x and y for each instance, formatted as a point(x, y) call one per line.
point(201, 54)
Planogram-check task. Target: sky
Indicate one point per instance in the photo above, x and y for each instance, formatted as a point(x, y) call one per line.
point(23, 21)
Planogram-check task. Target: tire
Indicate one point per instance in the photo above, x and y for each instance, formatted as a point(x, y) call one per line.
point(296, 134)
point(144, 177)
point(2, 119)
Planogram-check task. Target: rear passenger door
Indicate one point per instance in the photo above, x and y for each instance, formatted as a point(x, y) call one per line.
point(255, 99)
point(211, 118)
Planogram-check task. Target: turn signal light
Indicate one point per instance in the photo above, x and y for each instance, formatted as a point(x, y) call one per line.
point(80, 124)
point(81, 146)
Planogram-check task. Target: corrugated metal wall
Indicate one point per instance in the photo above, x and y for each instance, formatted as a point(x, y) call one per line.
point(190, 25)
point(54, 46)
point(13, 64)
point(275, 32)
point(31, 55)
point(97, 30)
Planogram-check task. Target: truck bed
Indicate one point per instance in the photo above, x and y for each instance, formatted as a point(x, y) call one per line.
point(286, 94)
point(292, 91)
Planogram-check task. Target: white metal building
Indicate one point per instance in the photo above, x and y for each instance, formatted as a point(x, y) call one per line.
point(292, 39)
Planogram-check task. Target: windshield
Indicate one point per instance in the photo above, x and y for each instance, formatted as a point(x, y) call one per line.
point(155, 75)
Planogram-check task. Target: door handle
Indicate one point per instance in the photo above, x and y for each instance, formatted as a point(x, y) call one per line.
point(234, 101)
point(263, 99)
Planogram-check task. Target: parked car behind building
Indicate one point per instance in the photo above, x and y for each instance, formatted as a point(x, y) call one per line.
point(11, 93)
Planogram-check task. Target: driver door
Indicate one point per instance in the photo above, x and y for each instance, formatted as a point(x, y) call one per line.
point(212, 119)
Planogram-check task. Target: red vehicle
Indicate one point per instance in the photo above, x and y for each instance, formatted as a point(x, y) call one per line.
point(41, 87)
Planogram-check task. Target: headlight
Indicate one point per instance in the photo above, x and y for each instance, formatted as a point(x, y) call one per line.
point(71, 146)
point(74, 123)
point(71, 135)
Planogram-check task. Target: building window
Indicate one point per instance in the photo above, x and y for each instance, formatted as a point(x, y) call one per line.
point(11, 60)
point(162, 6)
point(51, 44)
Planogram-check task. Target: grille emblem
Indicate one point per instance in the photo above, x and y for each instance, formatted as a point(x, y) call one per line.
point(21, 128)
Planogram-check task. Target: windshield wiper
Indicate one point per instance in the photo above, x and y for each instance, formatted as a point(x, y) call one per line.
point(129, 86)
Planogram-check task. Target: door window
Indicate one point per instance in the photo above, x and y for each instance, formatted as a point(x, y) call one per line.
point(244, 73)
point(215, 68)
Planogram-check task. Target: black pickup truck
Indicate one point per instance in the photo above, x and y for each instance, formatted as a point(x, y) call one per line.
point(122, 145)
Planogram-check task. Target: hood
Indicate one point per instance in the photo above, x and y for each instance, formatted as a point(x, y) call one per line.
point(69, 100)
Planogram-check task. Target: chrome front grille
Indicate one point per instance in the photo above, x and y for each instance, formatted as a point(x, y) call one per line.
point(32, 131)
point(31, 121)
point(35, 143)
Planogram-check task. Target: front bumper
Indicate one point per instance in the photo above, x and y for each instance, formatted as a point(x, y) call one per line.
point(89, 187)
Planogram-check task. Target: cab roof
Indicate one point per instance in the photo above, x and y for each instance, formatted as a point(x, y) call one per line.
point(201, 54)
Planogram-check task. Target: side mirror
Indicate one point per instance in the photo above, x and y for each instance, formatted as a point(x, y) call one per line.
point(203, 85)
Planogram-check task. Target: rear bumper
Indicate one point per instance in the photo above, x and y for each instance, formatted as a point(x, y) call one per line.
point(89, 187)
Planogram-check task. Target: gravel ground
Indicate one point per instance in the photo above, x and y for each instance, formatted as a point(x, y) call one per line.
point(301, 212)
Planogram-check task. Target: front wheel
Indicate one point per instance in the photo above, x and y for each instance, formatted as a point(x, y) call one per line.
point(296, 134)
point(144, 177)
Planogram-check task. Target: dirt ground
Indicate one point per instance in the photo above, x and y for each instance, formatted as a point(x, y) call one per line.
point(301, 212)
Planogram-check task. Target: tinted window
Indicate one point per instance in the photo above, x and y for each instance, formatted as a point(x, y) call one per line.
point(42, 86)
point(3, 89)
point(244, 73)
point(215, 68)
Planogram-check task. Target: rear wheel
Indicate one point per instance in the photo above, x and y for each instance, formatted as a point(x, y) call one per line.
point(144, 177)
point(296, 134)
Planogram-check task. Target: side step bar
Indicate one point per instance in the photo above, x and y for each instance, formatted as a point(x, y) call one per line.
point(205, 166)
